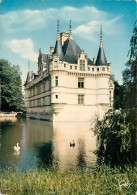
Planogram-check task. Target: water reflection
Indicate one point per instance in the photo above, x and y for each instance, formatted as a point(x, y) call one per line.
point(85, 143)
point(10, 135)
point(47, 144)
point(16, 153)
point(44, 153)
point(8, 119)
point(38, 132)
point(82, 154)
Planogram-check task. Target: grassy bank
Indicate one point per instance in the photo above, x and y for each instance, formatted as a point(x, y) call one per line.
point(100, 181)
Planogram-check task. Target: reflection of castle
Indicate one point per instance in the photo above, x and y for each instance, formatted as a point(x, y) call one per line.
point(82, 153)
point(69, 86)
point(51, 143)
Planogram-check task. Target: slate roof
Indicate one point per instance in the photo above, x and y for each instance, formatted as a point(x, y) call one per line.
point(71, 51)
point(101, 58)
point(90, 62)
point(58, 50)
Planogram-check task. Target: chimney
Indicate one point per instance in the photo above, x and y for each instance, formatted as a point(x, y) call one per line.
point(94, 60)
point(52, 49)
point(63, 37)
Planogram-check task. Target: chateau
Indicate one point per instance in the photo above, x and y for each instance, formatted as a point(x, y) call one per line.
point(68, 85)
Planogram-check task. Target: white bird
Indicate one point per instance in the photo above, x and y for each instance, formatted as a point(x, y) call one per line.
point(72, 143)
point(17, 148)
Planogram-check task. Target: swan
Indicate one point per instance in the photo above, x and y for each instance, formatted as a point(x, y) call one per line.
point(17, 148)
point(72, 143)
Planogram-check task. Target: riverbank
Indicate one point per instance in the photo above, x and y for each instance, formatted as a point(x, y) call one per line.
point(8, 114)
point(11, 115)
point(104, 180)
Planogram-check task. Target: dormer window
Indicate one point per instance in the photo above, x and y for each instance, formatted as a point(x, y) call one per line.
point(97, 69)
point(82, 64)
point(88, 68)
point(64, 65)
point(103, 69)
point(70, 67)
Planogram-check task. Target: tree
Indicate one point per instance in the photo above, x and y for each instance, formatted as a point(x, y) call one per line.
point(113, 139)
point(11, 87)
point(130, 73)
point(130, 83)
point(119, 96)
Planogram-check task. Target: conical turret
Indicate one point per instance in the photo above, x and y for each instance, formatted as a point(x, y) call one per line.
point(101, 58)
point(58, 48)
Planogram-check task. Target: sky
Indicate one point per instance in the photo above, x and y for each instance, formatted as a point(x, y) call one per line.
point(27, 25)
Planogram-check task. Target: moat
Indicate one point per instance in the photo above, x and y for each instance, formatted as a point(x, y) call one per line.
point(46, 144)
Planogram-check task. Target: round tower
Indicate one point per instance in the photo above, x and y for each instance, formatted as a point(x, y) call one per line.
point(102, 80)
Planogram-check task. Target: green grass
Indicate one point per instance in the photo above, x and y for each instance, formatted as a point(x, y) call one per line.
point(103, 181)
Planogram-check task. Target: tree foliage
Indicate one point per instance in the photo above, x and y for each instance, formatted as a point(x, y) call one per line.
point(119, 94)
point(114, 134)
point(130, 83)
point(130, 73)
point(11, 87)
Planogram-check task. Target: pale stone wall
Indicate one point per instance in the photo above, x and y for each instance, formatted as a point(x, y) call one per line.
point(75, 113)
point(102, 86)
point(54, 94)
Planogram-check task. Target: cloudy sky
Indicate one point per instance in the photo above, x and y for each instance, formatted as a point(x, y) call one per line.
point(27, 25)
